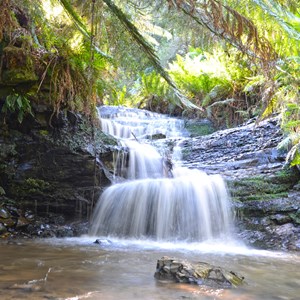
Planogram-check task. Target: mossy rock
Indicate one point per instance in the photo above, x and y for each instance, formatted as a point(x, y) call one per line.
point(296, 217)
point(17, 66)
point(31, 187)
point(201, 273)
point(262, 187)
point(199, 128)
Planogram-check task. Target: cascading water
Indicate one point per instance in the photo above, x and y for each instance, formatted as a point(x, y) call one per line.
point(157, 201)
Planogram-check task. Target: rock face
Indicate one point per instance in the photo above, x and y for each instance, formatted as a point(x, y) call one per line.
point(200, 273)
point(51, 171)
point(244, 151)
point(265, 191)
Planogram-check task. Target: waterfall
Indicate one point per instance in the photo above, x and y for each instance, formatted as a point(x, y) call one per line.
point(189, 205)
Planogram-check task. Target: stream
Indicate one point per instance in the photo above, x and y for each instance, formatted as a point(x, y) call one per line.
point(76, 268)
point(154, 208)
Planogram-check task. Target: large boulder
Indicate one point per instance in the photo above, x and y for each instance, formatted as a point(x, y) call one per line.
point(200, 273)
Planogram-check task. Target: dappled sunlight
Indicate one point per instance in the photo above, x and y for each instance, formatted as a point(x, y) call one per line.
point(199, 64)
point(54, 12)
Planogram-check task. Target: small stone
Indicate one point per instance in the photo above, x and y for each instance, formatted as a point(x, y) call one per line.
point(2, 229)
point(29, 216)
point(4, 213)
point(9, 223)
point(22, 222)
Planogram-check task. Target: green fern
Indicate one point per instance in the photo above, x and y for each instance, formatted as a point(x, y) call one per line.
point(203, 75)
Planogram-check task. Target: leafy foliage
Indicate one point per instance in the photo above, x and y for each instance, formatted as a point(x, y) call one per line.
point(236, 59)
point(18, 104)
point(230, 25)
point(216, 81)
point(291, 125)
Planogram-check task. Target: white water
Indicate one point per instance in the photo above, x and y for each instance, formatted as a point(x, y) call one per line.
point(190, 205)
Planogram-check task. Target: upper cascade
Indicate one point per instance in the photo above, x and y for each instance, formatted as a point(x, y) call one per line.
point(125, 123)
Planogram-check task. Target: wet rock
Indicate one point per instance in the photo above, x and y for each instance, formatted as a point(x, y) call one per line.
point(237, 152)
point(200, 273)
point(27, 287)
point(280, 219)
point(157, 136)
point(22, 222)
point(52, 169)
point(4, 213)
point(103, 242)
point(264, 233)
point(2, 229)
point(265, 193)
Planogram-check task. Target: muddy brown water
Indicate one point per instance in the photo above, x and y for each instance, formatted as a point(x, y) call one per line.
point(77, 268)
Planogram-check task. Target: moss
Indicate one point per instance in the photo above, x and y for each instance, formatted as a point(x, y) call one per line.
point(199, 129)
point(32, 186)
point(17, 66)
point(296, 217)
point(262, 187)
point(44, 132)
point(7, 150)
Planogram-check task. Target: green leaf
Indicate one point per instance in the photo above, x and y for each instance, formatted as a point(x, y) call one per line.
point(296, 159)
point(20, 116)
point(19, 101)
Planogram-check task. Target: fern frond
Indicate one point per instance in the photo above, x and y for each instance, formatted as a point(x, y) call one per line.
point(293, 156)
point(287, 20)
point(217, 92)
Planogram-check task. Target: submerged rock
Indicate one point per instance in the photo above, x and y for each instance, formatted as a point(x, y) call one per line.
point(103, 242)
point(200, 273)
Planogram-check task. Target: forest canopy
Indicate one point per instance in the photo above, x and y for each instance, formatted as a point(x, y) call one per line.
point(227, 60)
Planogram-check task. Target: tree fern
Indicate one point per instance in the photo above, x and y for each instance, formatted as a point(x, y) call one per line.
point(148, 50)
point(286, 19)
point(228, 24)
point(81, 26)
